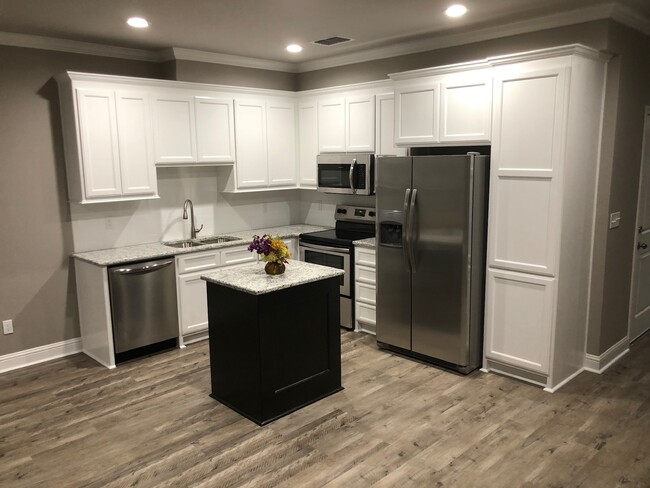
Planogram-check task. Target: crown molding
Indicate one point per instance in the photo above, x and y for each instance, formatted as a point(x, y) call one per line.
point(232, 60)
point(77, 47)
point(632, 18)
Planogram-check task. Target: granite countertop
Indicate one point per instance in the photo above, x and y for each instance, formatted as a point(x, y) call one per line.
point(251, 278)
point(155, 250)
point(368, 243)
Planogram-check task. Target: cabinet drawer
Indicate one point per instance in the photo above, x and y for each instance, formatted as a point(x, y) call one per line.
point(366, 317)
point(365, 275)
point(365, 257)
point(237, 255)
point(198, 261)
point(366, 293)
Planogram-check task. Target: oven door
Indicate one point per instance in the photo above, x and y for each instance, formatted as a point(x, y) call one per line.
point(334, 257)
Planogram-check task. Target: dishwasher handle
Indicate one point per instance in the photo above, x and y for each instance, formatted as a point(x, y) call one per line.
point(143, 268)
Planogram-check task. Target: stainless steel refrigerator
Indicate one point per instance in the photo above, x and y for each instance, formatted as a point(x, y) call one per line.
point(431, 233)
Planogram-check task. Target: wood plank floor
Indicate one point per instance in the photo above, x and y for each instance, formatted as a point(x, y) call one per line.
point(398, 423)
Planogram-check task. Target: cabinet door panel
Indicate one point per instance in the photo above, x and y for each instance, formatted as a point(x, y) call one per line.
point(519, 319)
point(308, 137)
point(215, 131)
point(465, 110)
point(135, 134)
point(250, 140)
point(360, 124)
point(99, 143)
point(385, 127)
point(331, 125)
point(174, 131)
point(281, 134)
point(416, 114)
point(193, 303)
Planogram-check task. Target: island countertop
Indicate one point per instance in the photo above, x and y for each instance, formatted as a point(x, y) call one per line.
point(251, 278)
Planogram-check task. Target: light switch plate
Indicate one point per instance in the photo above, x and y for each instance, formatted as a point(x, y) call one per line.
point(614, 220)
point(7, 327)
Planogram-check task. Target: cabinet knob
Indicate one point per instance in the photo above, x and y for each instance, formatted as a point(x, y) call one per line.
point(641, 245)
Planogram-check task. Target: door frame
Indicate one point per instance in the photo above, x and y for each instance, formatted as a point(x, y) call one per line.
point(645, 146)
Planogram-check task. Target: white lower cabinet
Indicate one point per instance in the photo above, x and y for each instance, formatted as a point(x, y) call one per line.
point(365, 290)
point(191, 289)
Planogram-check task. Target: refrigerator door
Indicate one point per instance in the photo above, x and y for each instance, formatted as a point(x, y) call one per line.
point(441, 270)
point(393, 272)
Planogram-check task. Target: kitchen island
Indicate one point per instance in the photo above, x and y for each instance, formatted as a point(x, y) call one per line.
point(274, 340)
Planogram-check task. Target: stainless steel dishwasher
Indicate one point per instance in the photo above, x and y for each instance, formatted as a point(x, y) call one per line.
point(143, 305)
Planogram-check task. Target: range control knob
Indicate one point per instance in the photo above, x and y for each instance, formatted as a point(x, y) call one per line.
point(341, 210)
point(371, 213)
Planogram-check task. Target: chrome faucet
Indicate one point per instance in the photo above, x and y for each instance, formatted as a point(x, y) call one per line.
point(193, 230)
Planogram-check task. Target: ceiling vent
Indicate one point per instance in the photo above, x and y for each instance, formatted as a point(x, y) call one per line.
point(332, 41)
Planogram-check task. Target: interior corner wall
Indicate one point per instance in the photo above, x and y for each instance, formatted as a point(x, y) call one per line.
point(222, 74)
point(37, 288)
point(628, 92)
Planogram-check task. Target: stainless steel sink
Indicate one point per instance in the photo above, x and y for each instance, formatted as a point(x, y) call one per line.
point(218, 239)
point(182, 244)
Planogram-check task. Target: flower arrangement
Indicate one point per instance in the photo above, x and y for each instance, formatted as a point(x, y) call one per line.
point(272, 249)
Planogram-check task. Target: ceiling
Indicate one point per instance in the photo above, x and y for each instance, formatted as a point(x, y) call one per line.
point(262, 28)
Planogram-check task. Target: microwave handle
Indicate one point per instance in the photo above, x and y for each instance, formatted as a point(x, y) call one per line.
point(351, 175)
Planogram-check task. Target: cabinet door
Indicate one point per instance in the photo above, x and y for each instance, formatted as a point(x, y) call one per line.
point(250, 139)
point(416, 113)
point(308, 142)
point(292, 244)
point(99, 144)
point(360, 124)
point(519, 319)
point(281, 142)
point(174, 130)
point(215, 130)
point(331, 125)
point(193, 303)
point(386, 127)
point(137, 165)
point(465, 109)
point(525, 207)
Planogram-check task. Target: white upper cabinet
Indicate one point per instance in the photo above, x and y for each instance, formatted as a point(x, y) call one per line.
point(308, 142)
point(281, 137)
point(135, 136)
point(360, 124)
point(385, 125)
point(331, 125)
point(174, 129)
point(215, 130)
point(465, 108)
point(251, 142)
point(416, 112)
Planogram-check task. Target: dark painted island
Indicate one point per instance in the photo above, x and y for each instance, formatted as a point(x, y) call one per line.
point(274, 340)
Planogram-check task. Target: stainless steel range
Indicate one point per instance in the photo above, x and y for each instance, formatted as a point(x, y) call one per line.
point(334, 248)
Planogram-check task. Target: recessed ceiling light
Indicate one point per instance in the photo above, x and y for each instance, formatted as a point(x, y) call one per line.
point(138, 22)
point(294, 48)
point(456, 11)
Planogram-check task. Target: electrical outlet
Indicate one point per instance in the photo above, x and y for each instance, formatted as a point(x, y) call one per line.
point(108, 223)
point(7, 327)
point(615, 220)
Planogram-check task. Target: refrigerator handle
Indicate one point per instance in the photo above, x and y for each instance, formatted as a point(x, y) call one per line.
point(405, 234)
point(410, 227)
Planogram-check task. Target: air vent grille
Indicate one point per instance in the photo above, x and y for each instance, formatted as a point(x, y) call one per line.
point(331, 41)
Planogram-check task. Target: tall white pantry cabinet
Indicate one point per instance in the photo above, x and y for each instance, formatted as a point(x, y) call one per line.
point(547, 112)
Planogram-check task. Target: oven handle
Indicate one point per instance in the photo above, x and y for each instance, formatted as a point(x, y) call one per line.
point(351, 175)
point(338, 250)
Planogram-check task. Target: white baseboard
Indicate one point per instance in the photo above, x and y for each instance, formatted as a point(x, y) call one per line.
point(599, 364)
point(563, 382)
point(39, 354)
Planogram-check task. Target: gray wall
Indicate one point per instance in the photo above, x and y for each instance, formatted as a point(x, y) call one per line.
point(36, 289)
point(222, 74)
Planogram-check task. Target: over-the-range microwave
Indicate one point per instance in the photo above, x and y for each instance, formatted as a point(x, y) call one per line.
point(352, 174)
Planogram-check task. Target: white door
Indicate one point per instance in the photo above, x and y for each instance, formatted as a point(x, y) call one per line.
point(174, 129)
point(99, 145)
point(308, 137)
point(281, 145)
point(135, 137)
point(640, 299)
point(416, 112)
point(215, 130)
point(465, 108)
point(193, 303)
point(331, 125)
point(250, 140)
point(360, 124)
point(385, 127)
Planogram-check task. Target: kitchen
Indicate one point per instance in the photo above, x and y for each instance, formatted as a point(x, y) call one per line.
point(39, 292)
